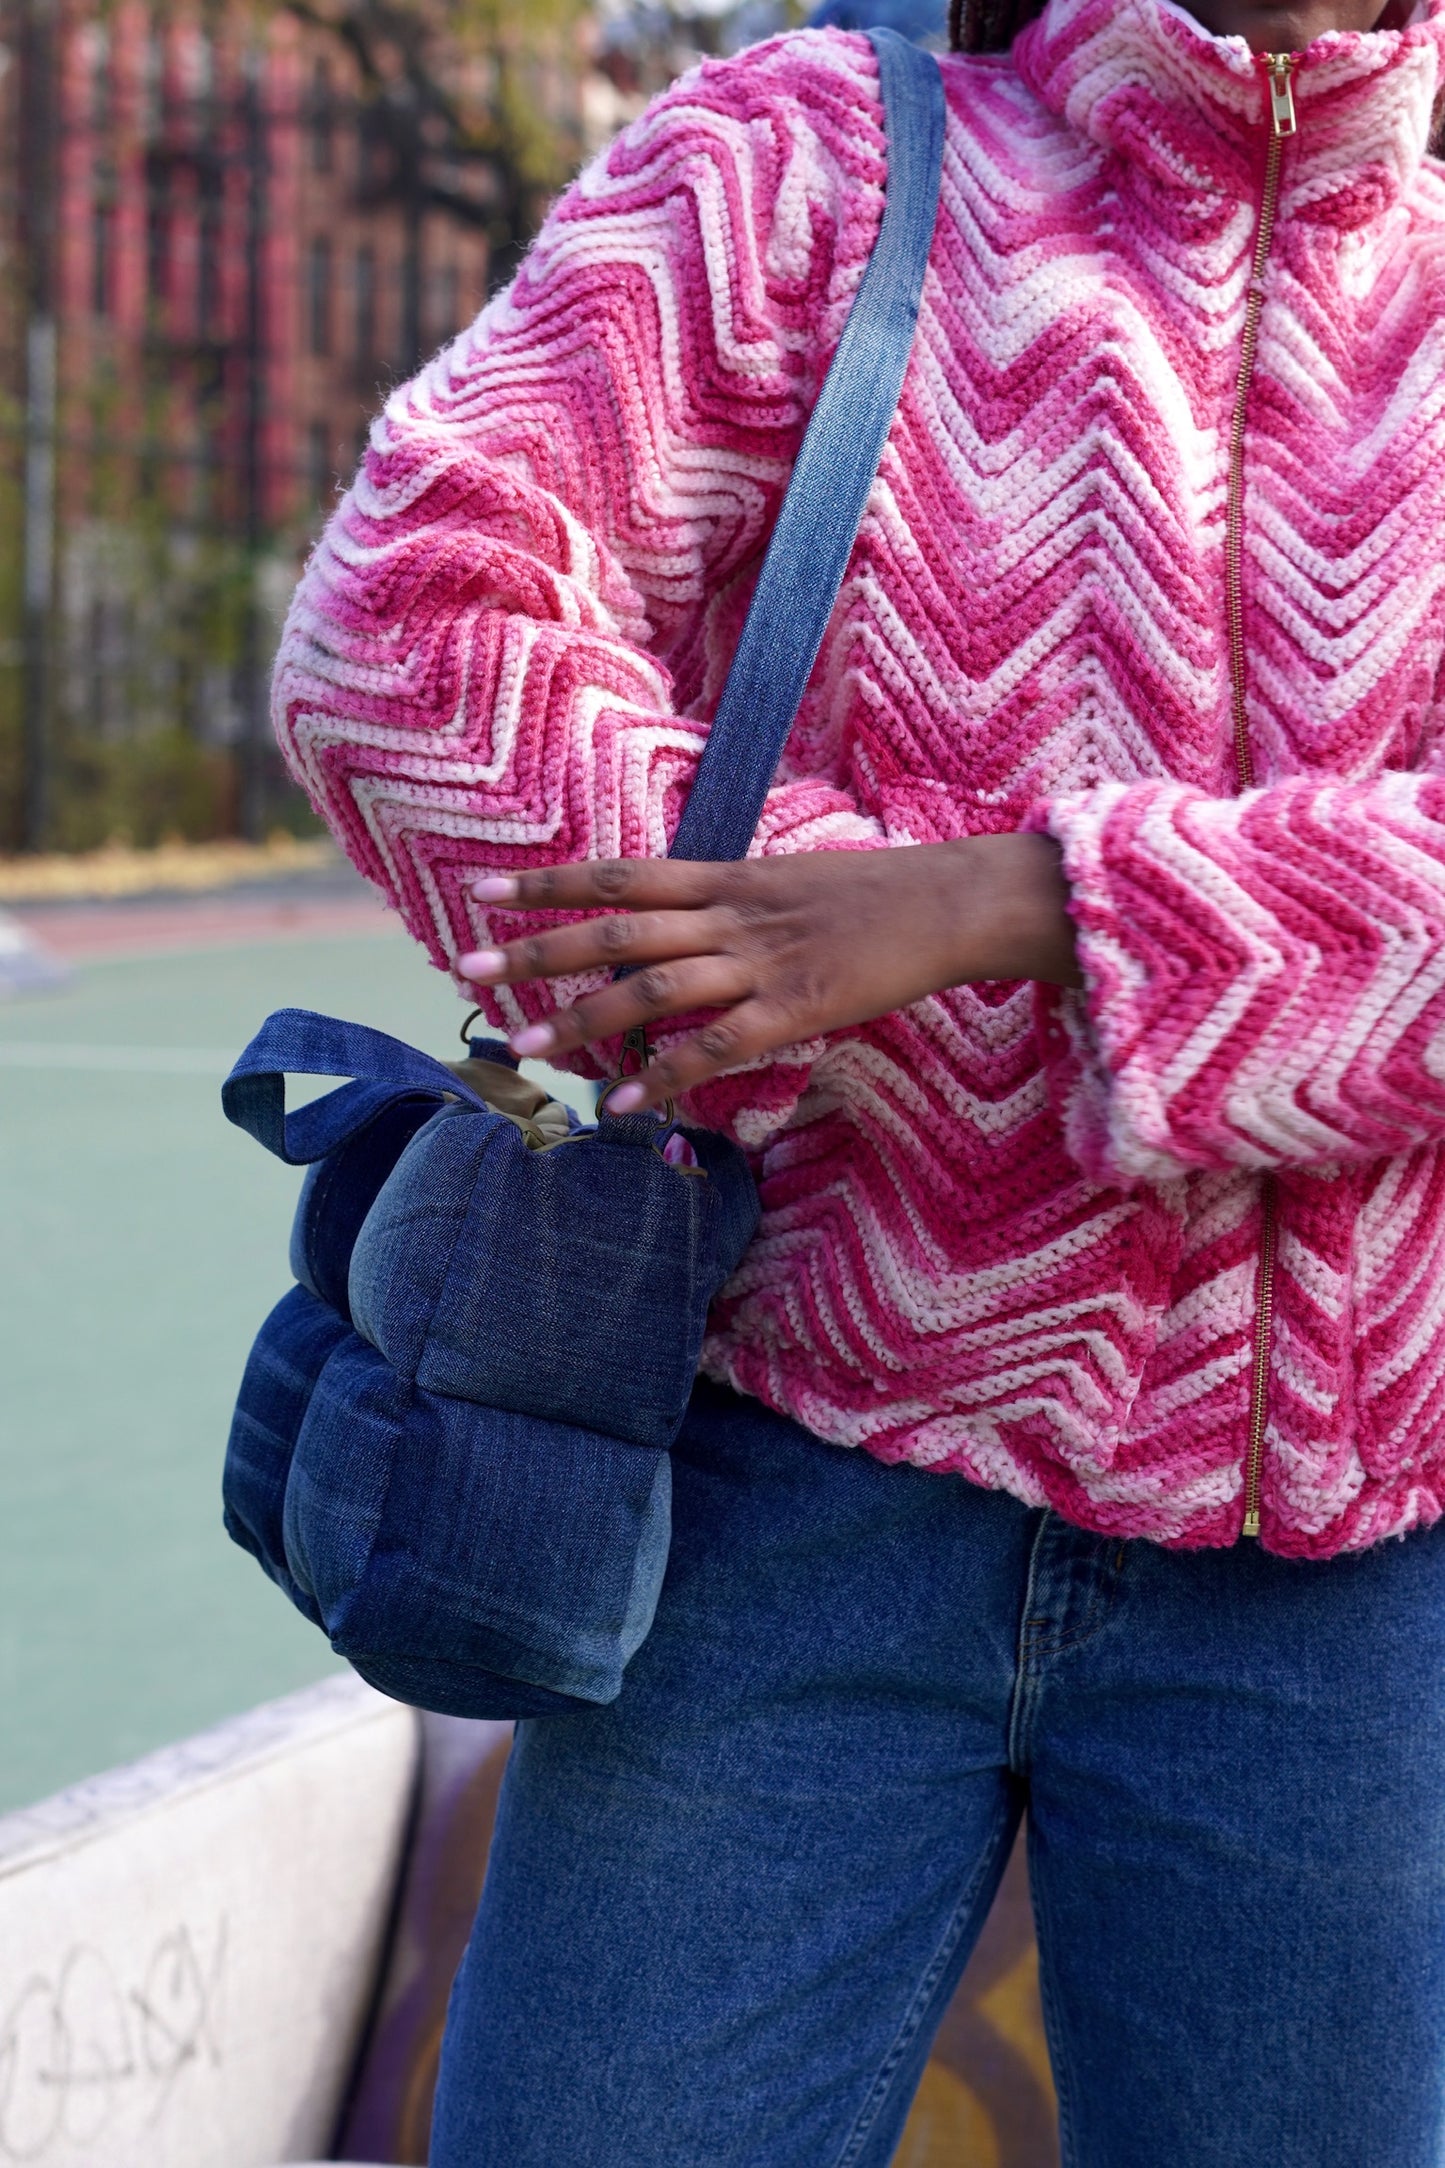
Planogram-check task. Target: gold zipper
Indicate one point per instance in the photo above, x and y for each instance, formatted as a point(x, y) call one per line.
point(1263, 1339)
point(1282, 125)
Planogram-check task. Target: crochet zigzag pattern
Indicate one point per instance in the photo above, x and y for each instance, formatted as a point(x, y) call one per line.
point(1007, 1234)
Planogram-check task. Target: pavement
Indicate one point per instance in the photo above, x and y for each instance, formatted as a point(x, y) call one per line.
point(141, 1242)
point(154, 925)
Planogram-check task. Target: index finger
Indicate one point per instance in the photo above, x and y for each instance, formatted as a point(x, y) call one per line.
point(603, 884)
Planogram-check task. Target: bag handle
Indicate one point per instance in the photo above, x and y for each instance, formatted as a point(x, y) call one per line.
point(298, 1042)
point(832, 478)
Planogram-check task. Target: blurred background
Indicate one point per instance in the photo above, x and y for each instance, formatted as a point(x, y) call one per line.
point(226, 227)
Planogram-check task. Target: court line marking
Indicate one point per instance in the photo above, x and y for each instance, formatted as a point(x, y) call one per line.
point(138, 1060)
point(102, 1060)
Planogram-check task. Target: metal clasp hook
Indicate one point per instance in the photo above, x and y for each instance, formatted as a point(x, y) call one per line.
point(635, 1047)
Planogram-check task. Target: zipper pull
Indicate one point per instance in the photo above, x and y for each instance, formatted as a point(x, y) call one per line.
point(1281, 95)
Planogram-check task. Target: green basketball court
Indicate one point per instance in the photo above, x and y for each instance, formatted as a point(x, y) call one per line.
point(141, 1241)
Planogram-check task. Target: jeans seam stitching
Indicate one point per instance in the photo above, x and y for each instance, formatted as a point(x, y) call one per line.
point(922, 1996)
point(1055, 2030)
point(1021, 1699)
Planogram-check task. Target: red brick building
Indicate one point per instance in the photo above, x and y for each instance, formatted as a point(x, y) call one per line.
point(222, 217)
point(255, 225)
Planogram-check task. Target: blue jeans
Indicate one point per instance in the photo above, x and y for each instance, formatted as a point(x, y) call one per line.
point(724, 1915)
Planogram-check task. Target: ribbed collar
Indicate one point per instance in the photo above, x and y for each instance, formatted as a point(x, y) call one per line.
point(1143, 79)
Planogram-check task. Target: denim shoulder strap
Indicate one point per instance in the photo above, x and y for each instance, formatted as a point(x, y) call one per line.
point(818, 525)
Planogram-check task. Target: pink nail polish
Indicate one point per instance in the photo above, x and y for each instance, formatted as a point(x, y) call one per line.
point(486, 963)
point(626, 1099)
point(495, 888)
point(536, 1039)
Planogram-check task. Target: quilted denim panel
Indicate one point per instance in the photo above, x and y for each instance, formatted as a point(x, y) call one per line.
point(339, 1191)
point(290, 1352)
point(571, 1285)
point(435, 1532)
point(407, 1245)
point(532, 1549)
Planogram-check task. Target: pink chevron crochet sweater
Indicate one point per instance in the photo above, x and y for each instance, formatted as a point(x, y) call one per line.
point(1070, 1246)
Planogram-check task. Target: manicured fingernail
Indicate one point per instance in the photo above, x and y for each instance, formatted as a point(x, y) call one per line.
point(483, 963)
point(534, 1040)
point(626, 1099)
point(495, 888)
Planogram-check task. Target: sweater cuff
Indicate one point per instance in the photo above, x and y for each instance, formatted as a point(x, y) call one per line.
point(1104, 1092)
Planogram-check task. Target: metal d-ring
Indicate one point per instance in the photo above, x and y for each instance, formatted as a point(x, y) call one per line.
point(666, 1113)
point(634, 1042)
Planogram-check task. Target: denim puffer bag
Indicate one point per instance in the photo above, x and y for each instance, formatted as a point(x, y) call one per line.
point(450, 1447)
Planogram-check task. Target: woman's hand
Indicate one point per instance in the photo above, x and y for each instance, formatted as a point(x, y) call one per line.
point(781, 948)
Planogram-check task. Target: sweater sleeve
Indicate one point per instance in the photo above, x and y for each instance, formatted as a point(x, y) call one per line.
point(1264, 975)
point(505, 648)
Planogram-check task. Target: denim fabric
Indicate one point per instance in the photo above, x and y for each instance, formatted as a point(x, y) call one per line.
point(337, 1194)
point(723, 1916)
point(290, 1352)
point(461, 1558)
point(449, 1447)
point(301, 1042)
point(485, 1547)
point(571, 1284)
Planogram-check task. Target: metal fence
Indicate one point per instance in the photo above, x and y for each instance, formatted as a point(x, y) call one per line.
point(223, 234)
point(225, 227)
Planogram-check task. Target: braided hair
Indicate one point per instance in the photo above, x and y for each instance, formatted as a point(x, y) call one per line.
point(987, 26)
